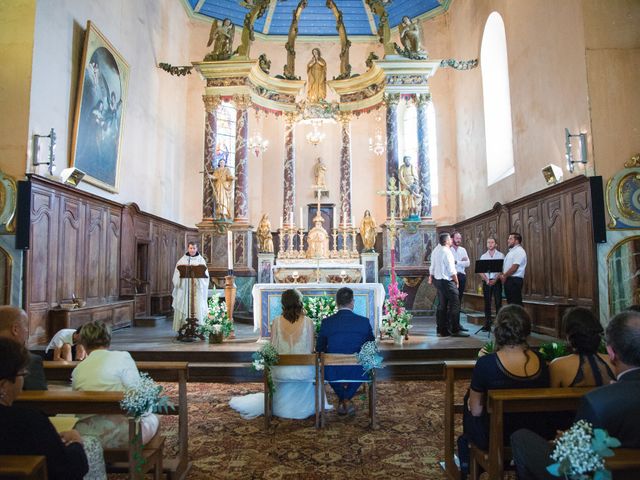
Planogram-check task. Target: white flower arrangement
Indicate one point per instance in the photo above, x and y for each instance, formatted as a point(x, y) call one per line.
point(319, 307)
point(217, 321)
point(580, 452)
point(145, 397)
point(369, 357)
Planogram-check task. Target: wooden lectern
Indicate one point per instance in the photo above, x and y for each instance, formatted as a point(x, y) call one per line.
point(188, 332)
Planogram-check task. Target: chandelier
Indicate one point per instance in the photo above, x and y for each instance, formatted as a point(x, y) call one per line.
point(257, 144)
point(377, 143)
point(315, 136)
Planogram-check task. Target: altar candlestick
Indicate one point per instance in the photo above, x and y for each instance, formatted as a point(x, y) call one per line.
point(335, 221)
point(291, 219)
point(229, 250)
point(301, 219)
point(280, 222)
point(353, 220)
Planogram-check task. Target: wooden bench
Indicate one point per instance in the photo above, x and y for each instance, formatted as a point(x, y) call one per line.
point(172, 372)
point(117, 314)
point(453, 371)
point(105, 403)
point(23, 467)
point(524, 400)
point(625, 463)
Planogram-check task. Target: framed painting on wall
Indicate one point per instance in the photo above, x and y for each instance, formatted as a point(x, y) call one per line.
point(98, 125)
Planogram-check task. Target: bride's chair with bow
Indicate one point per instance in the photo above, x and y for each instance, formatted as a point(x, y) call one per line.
point(293, 360)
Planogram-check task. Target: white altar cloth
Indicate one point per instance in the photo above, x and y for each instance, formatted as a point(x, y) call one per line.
point(368, 299)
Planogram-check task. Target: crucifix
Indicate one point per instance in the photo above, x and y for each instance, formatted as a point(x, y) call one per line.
point(393, 193)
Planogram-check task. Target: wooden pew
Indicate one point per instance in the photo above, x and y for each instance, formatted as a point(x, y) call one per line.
point(23, 467)
point(106, 403)
point(625, 463)
point(500, 402)
point(171, 372)
point(453, 371)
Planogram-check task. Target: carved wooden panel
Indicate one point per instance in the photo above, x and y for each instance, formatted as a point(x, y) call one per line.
point(71, 272)
point(95, 242)
point(582, 255)
point(555, 229)
point(112, 260)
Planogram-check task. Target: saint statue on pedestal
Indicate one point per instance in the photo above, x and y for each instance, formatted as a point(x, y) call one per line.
point(319, 173)
point(410, 197)
point(317, 77)
point(318, 240)
point(265, 238)
point(222, 190)
point(368, 231)
point(222, 39)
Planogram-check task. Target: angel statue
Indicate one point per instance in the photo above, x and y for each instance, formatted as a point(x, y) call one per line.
point(410, 39)
point(222, 39)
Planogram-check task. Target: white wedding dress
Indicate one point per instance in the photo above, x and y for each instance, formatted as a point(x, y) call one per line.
point(294, 387)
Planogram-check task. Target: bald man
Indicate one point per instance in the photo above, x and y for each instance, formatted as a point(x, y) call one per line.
point(14, 326)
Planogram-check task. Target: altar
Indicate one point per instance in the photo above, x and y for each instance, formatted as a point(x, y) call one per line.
point(368, 299)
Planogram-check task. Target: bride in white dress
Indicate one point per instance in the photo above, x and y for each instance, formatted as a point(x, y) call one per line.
point(291, 333)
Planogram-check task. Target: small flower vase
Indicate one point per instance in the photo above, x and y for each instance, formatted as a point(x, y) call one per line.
point(398, 340)
point(215, 337)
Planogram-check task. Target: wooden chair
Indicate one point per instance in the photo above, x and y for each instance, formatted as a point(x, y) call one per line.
point(453, 371)
point(335, 359)
point(500, 402)
point(625, 463)
point(170, 372)
point(290, 361)
point(56, 401)
point(23, 467)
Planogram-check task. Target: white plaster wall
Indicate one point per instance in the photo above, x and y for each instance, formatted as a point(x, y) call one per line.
point(154, 169)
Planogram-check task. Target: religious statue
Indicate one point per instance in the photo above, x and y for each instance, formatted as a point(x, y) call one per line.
point(222, 39)
point(222, 190)
point(318, 240)
point(264, 63)
point(319, 173)
point(316, 77)
point(265, 239)
point(410, 39)
point(368, 231)
point(410, 197)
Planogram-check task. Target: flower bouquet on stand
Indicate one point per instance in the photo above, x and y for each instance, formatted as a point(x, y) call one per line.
point(396, 320)
point(141, 399)
point(579, 453)
point(216, 325)
point(317, 308)
point(263, 360)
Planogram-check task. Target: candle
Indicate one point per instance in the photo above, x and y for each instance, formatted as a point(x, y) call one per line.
point(291, 218)
point(353, 220)
point(344, 219)
point(229, 250)
point(335, 222)
point(280, 222)
point(301, 220)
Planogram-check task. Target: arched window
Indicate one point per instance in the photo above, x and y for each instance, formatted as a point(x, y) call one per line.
point(226, 135)
point(497, 100)
point(408, 141)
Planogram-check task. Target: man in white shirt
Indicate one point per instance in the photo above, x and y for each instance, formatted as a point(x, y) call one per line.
point(64, 346)
point(462, 262)
point(513, 269)
point(442, 274)
point(491, 284)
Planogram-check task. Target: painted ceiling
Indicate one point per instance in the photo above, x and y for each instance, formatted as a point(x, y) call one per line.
point(316, 18)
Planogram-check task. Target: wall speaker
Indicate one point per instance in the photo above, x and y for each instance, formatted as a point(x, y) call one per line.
point(597, 210)
point(23, 215)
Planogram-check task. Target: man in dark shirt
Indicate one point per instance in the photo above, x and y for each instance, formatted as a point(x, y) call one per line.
point(14, 325)
point(614, 408)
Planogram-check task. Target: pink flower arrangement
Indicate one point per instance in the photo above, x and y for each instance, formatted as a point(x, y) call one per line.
point(396, 320)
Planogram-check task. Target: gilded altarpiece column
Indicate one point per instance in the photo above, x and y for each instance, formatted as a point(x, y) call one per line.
point(211, 103)
point(424, 162)
point(391, 101)
point(241, 190)
point(345, 164)
point(289, 183)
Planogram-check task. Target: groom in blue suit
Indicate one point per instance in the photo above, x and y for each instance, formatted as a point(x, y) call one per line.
point(344, 332)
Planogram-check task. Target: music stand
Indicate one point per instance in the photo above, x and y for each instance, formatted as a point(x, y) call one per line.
point(189, 332)
point(487, 267)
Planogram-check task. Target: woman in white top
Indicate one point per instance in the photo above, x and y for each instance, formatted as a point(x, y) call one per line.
point(107, 370)
point(291, 333)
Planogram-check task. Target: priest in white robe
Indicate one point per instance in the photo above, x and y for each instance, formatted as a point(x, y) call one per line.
point(182, 286)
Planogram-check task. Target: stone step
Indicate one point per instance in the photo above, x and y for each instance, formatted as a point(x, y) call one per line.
point(148, 321)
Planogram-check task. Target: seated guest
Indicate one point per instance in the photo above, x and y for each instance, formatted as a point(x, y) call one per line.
point(14, 325)
point(585, 367)
point(614, 407)
point(107, 370)
point(26, 431)
point(344, 332)
point(513, 365)
point(64, 346)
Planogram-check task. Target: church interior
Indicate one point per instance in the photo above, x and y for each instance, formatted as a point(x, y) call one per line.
point(314, 145)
